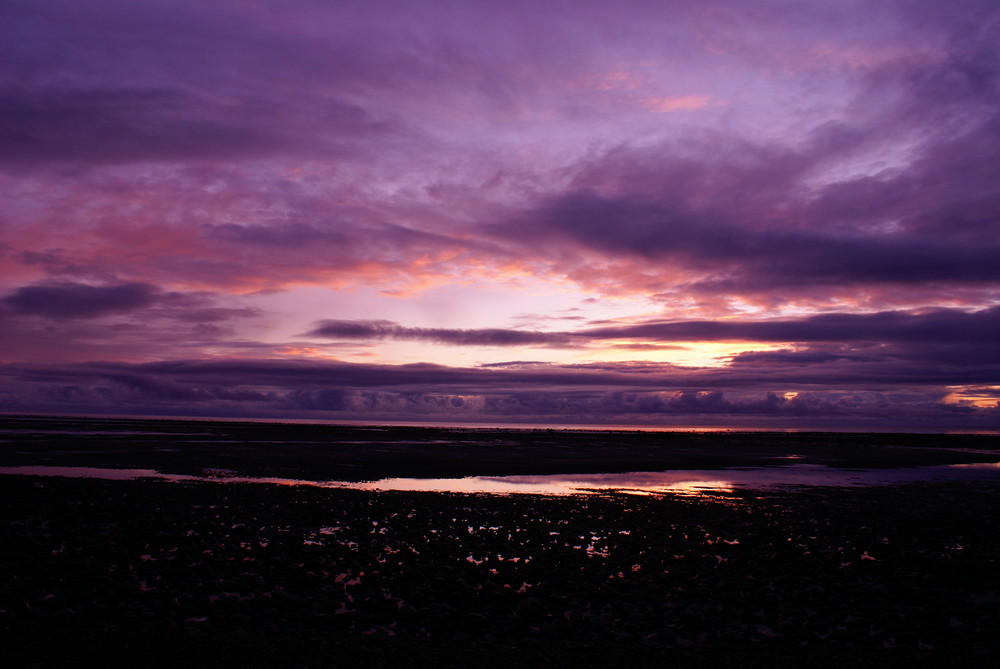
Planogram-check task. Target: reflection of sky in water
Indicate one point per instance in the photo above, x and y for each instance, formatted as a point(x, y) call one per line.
point(682, 481)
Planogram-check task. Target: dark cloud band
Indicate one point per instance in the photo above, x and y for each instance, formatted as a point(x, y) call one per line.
point(938, 326)
point(454, 337)
point(76, 300)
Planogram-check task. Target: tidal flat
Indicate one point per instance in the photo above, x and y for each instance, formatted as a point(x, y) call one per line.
point(151, 573)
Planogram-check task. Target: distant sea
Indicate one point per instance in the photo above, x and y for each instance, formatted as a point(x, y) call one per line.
point(484, 457)
point(723, 424)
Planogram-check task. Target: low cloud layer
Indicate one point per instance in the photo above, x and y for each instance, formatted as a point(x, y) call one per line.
point(782, 392)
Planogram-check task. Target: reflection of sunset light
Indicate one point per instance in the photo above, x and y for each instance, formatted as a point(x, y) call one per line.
point(548, 485)
point(706, 482)
point(696, 487)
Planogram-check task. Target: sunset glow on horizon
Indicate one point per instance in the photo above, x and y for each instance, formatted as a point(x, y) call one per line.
point(781, 214)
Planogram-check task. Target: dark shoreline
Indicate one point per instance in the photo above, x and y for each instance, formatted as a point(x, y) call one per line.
point(129, 573)
point(353, 453)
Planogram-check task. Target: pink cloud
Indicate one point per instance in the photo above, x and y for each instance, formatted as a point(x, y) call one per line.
point(668, 105)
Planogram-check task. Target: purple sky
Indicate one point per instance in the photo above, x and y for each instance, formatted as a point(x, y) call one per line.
point(780, 214)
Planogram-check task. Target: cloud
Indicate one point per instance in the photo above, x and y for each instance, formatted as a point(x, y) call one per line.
point(341, 329)
point(892, 195)
point(62, 321)
point(823, 183)
point(376, 121)
point(939, 326)
point(123, 125)
point(594, 393)
point(63, 300)
point(874, 372)
point(176, 82)
point(796, 357)
point(750, 224)
point(67, 300)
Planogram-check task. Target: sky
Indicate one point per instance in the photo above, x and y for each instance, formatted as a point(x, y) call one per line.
point(781, 214)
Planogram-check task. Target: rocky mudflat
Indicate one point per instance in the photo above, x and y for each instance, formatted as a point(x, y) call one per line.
point(151, 573)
